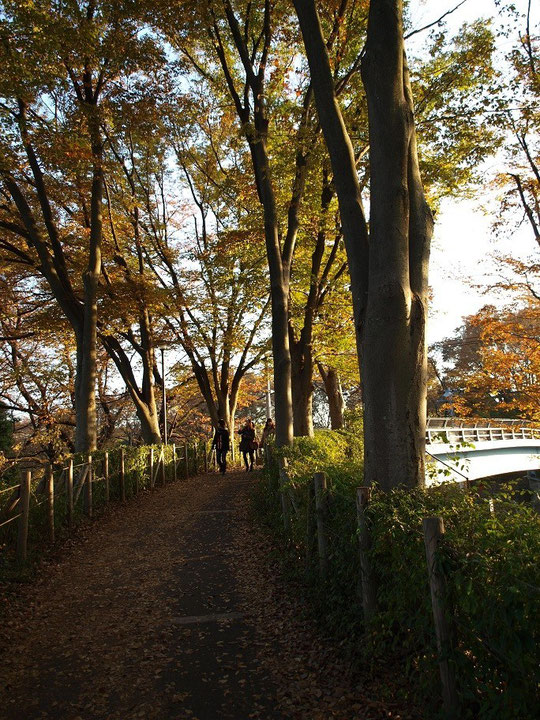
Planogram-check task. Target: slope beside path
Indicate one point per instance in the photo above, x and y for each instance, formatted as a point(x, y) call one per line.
point(169, 609)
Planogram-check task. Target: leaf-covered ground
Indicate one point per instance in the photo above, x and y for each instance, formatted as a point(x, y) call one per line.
point(169, 608)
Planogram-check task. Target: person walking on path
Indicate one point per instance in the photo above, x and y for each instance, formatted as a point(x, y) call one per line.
point(248, 443)
point(268, 430)
point(221, 443)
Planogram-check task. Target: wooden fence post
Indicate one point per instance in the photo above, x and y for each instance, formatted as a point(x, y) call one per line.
point(269, 464)
point(106, 476)
point(163, 465)
point(22, 534)
point(205, 451)
point(310, 528)
point(69, 493)
point(195, 458)
point(122, 476)
point(321, 510)
point(285, 508)
point(186, 460)
point(49, 489)
point(364, 543)
point(433, 531)
point(174, 461)
point(151, 468)
point(88, 489)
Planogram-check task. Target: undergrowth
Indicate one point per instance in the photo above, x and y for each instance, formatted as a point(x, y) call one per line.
point(489, 557)
point(136, 479)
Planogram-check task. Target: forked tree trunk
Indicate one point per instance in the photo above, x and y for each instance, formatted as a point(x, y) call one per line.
point(336, 403)
point(149, 423)
point(144, 399)
point(388, 276)
point(221, 403)
point(145, 405)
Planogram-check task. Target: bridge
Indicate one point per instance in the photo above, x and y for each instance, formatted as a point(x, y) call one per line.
point(462, 450)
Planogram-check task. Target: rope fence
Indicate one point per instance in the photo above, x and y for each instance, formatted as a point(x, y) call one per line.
point(50, 500)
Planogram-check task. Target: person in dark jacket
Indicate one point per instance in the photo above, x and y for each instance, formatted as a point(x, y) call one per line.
point(268, 430)
point(221, 442)
point(247, 443)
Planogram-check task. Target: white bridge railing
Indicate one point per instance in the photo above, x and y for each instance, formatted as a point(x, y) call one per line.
point(453, 431)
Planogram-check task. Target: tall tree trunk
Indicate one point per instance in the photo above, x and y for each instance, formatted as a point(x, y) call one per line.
point(86, 425)
point(336, 403)
point(388, 277)
point(149, 423)
point(302, 389)
point(81, 316)
point(147, 413)
point(255, 125)
point(342, 159)
point(401, 225)
point(279, 292)
point(301, 349)
point(85, 380)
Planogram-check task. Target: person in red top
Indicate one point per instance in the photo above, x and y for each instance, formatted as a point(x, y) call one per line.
point(221, 442)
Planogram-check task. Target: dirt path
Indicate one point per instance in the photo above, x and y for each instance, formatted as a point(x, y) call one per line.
point(168, 609)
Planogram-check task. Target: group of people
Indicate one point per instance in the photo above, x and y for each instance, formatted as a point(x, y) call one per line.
point(248, 442)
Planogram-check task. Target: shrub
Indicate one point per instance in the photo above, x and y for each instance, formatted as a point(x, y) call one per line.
point(490, 560)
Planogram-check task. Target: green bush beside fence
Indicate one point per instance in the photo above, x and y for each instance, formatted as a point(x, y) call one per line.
point(489, 556)
point(136, 477)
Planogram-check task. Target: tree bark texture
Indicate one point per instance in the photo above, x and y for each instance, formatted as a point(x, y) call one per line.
point(394, 352)
point(85, 386)
point(355, 233)
point(336, 403)
point(143, 399)
point(302, 390)
point(82, 316)
point(255, 123)
point(388, 271)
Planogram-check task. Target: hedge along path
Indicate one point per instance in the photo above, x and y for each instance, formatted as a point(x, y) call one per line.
point(168, 608)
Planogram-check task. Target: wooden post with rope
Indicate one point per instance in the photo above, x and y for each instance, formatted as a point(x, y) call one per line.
point(433, 532)
point(367, 583)
point(122, 475)
point(49, 489)
point(106, 477)
point(285, 504)
point(69, 493)
point(321, 510)
point(162, 455)
point(22, 531)
point(310, 525)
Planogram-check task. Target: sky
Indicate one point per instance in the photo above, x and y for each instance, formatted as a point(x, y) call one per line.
point(463, 241)
point(460, 259)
